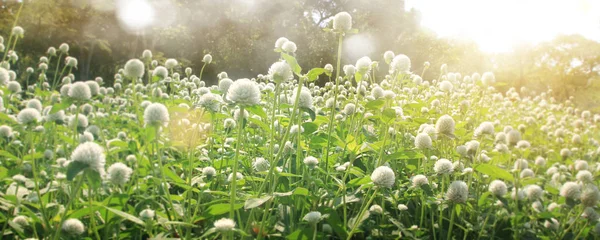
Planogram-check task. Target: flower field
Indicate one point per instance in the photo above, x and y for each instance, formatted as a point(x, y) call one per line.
point(376, 152)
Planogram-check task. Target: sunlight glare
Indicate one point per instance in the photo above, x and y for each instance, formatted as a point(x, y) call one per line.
point(135, 15)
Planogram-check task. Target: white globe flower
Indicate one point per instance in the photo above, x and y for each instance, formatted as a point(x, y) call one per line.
point(134, 68)
point(244, 92)
point(80, 91)
point(224, 225)
point(458, 192)
point(342, 22)
point(280, 72)
point(73, 227)
point(119, 173)
point(156, 114)
point(383, 176)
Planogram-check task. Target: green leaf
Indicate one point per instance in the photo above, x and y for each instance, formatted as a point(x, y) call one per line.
point(126, 216)
point(167, 171)
point(61, 106)
point(300, 234)
point(221, 208)
point(482, 199)
point(310, 112)
point(494, 171)
point(375, 104)
point(358, 76)
point(292, 62)
point(359, 181)
point(388, 115)
point(74, 168)
point(301, 191)
point(8, 155)
point(94, 178)
point(314, 74)
point(256, 202)
point(258, 110)
point(5, 118)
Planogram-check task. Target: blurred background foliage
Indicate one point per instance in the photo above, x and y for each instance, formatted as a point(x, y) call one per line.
point(240, 35)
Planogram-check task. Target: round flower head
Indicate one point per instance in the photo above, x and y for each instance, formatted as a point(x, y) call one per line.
point(388, 56)
point(513, 137)
point(134, 68)
point(590, 195)
point(94, 87)
point(400, 64)
point(4, 77)
point(147, 54)
point(171, 63)
point(80, 91)
point(488, 78)
point(423, 141)
point(51, 51)
point(485, 128)
point(445, 125)
point(570, 190)
point(156, 114)
point(342, 22)
point(210, 102)
point(521, 164)
point(534, 192)
point(225, 84)
point(82, 121)
point(207, 59)
point(585, 176)
point(73, 227)
point(443, 166)
point(498, 188)
point(313, 217)
point(64, 48)
point(22, 221)
point(18, 31)
point(160, 72)
point(363, 64)
point(5, 131)
point(260, 164)
point(280, 72)
point(311, 162)
point(71, 62)
point(91, 155)
point(280, 41)
point(34, 103)
point(28, 115)
point(224, 225)
point(457, 192)
point(446, 86)
point(527, 173)
point(14, 86)
point(289, 47)
point(419, 180)
point(383, 176)
point(119, 173)
point(305, 100)
point(209, 172)
point(244, 92)
point(581, 165)
point(147, 214)
point(349, 70)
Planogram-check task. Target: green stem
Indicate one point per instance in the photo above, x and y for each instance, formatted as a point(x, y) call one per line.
point(235, 164)
point(451, 222)
point(11, 35)
point(360, 214)
point(335, 95)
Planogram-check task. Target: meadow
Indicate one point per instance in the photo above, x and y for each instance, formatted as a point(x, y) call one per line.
point(377, 152)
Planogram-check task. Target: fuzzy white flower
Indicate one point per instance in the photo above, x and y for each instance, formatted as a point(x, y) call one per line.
point(498, 188)
point(80, 91)
point(134, 68)
point(91, 155)
point(443, 166)
point(342, 22)
point(171, 63)
point(305, 100)
point(73, 227)
point(400, 64)
point(224, 225)
point(160, 72)
point(311, 162)
point(156, 114)
point(313, 217)
point(119, 173)
point(280, 72)
point(289, 47)
point(458, 192)
point(419, 180)
point(244, 92)
point(570, 190)
point(383, 176)
point(423, 141)
point(147, 214)
point(28, 115)
point(445, 125)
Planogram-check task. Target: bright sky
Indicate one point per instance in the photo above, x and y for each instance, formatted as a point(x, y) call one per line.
point(496, 25)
